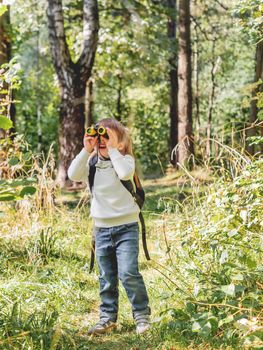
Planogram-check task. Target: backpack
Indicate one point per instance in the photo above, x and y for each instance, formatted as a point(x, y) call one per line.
point(138, 195)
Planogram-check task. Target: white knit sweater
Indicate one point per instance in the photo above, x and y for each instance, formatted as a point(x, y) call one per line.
point(112, 204)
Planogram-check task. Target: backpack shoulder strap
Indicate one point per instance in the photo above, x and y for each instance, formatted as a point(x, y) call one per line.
point(137, 180)
point(92, 170)
point(129, 186)
point(138, 193)
point(139, 199)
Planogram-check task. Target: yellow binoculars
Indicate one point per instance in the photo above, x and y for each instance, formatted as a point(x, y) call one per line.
point(97, 130)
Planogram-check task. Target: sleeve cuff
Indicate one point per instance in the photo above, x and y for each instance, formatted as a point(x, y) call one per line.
point(84, 154)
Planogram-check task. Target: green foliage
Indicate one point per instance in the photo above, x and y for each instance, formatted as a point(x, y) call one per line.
point(255, 140)
point(250, 14)
point(45, 245)
point(133, 42)
point(3, 9)
point(132, 56)
point(151, 137)
point(5, 123)
point(39, 97)
point(38, 108)
point(14, 156)
point(9, 81)
point(16, 189)
point(11, 74)
point(206, 294)
point(20, 329)
point(220, 256)
point(211, 26)
point(248, 91)
point(213, 260)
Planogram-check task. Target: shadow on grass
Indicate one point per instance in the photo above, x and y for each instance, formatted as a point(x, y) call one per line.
point(45, 330)
point(73, 198)
point(124, 338)
point(162, 337)
point(162, 198)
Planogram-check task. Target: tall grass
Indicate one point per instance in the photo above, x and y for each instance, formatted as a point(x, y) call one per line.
point(213, 261)
point(204, 280)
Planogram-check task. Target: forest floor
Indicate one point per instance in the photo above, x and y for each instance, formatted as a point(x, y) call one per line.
point(48, 296)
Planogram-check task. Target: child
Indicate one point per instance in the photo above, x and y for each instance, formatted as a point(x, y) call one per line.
point(116, 228)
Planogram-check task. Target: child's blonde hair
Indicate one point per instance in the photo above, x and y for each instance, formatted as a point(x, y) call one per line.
point(121, 131)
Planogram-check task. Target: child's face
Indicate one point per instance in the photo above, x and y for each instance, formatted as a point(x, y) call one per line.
point(112, 141)
point(103, 150)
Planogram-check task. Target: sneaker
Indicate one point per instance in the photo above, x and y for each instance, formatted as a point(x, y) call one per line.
point(142, 325)
point(102, 327)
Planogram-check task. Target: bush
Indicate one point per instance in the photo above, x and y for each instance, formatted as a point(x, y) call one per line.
point(218, 263)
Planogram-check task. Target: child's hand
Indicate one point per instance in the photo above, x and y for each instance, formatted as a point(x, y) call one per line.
point(112, 141)
point(90, 142)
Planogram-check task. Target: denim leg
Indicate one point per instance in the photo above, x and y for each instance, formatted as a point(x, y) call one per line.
point(127, 250)
point(107, 262)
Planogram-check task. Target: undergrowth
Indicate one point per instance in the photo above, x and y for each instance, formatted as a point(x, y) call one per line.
point(214, 263)
point(204, 280)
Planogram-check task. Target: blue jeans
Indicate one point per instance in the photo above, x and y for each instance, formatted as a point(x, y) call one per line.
point(117, 251)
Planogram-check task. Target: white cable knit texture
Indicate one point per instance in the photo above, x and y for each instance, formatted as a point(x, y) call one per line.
point(112, 204)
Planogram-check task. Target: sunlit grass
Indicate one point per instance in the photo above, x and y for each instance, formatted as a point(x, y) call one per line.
point(44, 268)
point(48, 296)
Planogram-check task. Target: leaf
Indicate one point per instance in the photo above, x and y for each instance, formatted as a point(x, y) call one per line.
point(223, 257)
point(3, 9)
point(196, 327)
point(206, 329)
point(228, 319)
point(9, 191)
point(16, 183)
point(29, 190)
point(27, 156)
point(196, 289)
point(232, 232)
point(237, 277)
point(242, 323)
point(243, 215)
point(13, 161)
point(5, 123)
point(7, 197)
point(239, 288)
point(251, 263)
point(229, 289)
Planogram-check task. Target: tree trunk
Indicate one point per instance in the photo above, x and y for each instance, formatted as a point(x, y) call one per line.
point(118, 115)
point(215, 64)
point(185, 133)
point(171, 33)
point(73, 79)
point(196, 83)
point(253, 106)
point(39, 112)
point(71, 132)
point(89, 103)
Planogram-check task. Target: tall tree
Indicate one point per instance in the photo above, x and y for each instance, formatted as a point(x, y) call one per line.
point(214, 65)
point(249, 13)
point(257, 90)
point(89, 103)
point(171, 31)
point(73, 77)
point(185, 134)
point(196, 69)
